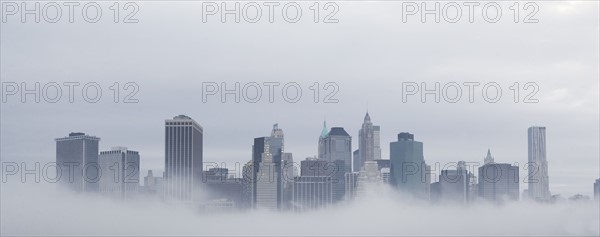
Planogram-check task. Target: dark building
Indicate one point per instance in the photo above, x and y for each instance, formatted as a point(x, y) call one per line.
point(408, 169)
point(453, 186)
point(77, 162)
point(356, 161)
point(498, 182)
point(183, 159)
point(338, 151)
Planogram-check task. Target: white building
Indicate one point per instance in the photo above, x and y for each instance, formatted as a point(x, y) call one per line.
point(538, 181)
point(120, 169)
point(368, 176)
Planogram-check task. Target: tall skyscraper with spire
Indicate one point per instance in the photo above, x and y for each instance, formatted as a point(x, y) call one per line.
point(538, 181)
point(267, 155)
point(368, 142)
point(183, 159)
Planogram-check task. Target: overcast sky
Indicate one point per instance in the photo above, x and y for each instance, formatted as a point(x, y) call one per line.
point(368, 54)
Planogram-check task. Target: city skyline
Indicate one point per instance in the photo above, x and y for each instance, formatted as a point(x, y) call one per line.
point(274, 146)
point(300, 118)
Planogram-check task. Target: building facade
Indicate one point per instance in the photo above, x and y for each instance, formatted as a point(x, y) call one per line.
point(312, 192)
point(538, 181)
point(454, 186)
point(77, 162)
point(267, 154)
point(338, 151)
point(121, 172)
point(498, 182)
point(368, 177)
point(183, 159)
point(408, 170)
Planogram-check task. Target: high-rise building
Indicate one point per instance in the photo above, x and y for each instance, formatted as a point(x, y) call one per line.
point(538, 181)
point(314, 187)
point(268, 183)
point(338, 151)
point(183, 159)
point(310, 192)
point(77, 162)
point(369, 147)
point(366, 141)
point(288, 173)
point(248, 184)
point(338, 147)
point(351, 184)
point(121, 172)
point(356, 161)
point(597, 189)
point(454, 186)
point(409, 172)
point(498, 182)
point(369, 176)
point(267, 153)
point(377, 142)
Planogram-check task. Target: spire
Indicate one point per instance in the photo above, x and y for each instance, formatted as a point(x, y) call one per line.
point(367, 118)
point(324, 132)
point(488, 158)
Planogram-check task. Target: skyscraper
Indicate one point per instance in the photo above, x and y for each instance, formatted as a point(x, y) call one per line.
point(267, 155)
point(356, 161)
point(409, 172)
point(338, 151)
point(77, 162)
point(377, 142)
point(498, 182)
point(288, 173)
point(314, 187)
point(268, 189)
point(338, 146)
point(121, 172)
point(454, 186)
point(538, 181)
point(183, 159)
point(369, 176)
point(311, 192)
point(368, 142)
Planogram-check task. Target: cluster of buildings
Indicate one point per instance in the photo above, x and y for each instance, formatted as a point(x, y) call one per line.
point(272, 180)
